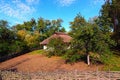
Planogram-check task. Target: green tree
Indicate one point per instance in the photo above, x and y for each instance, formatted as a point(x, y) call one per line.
point(41, 26)
point(32, 32)
point(110, 18)
point(18, 27)
point(28, 25)
point(77, 23)
point(7, 39)
point(62, 29)
point(89, 37)
point(46, 27)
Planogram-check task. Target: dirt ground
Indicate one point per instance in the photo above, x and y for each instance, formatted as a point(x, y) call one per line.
point(38, 62)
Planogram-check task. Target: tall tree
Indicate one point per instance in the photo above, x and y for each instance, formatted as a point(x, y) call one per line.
point(88, 37)
point(6, 38)
point(27, 25)
point(77, 23)
point(41, 25)
point(30, 25)
point(110, 17)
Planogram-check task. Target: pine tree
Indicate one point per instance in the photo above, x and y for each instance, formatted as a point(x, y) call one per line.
point(110, 18)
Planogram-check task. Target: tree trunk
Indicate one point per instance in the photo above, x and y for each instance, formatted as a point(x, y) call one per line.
point(88, 59)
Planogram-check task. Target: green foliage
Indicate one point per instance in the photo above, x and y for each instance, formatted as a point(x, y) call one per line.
point(45, 27)
point(90, 37)
point(26, 36)
point(9, 42)
point(104, 58)
point(72, 56)
point(18, 46)
point(110, 18)
point(113, 63)
point(77, 23)
point(56, 47)
point(4, 48)
point(28, 25)
point(62, 29)
point(6, 38)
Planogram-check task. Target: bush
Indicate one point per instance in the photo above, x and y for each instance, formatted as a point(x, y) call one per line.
point(4, 49)
point(95, 58)
point(72, 56)
point(18, 46)
point(56, 47)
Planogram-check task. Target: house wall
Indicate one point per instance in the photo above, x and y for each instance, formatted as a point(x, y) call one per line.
point(44, 47)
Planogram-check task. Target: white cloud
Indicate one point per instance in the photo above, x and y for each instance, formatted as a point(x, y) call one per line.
point(32, 1)
point(65, 2)
point(16, 9)
point(16, 1)
point(95, 2)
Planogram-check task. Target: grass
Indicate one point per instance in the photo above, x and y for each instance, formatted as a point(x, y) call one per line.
point(113, 63)
point(38, 52)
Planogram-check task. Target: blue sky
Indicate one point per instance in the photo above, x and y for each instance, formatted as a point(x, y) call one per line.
point(18, 11)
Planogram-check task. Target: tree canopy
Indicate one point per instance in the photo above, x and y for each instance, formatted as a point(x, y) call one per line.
point(110, 18)
point(26, 36)
point(89, 37)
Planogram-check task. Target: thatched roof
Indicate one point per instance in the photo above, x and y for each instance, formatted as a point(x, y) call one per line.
point(66, 38)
